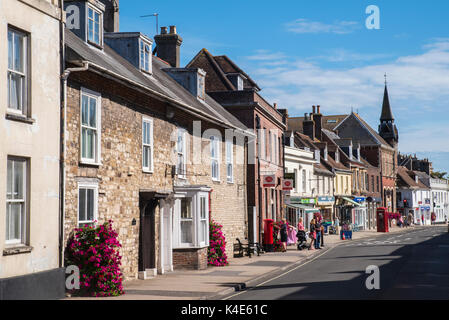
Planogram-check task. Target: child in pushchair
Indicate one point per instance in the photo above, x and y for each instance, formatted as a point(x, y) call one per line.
point(302, 239)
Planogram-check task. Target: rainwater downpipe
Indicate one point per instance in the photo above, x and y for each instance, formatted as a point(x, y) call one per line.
point(63, 124)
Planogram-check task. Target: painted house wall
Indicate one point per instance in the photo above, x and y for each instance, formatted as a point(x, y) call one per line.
point(37, 141)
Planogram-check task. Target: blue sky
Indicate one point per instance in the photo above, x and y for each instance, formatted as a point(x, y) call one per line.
point(304, 53)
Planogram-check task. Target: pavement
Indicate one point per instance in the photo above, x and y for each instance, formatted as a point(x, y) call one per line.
point(216, 283)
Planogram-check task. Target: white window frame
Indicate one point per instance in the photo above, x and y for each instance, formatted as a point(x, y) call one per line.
point(203, 221)
point(181, 171)
point(90, 186)
point(24, 201)
point(23, 75)
point(145, 57)
point(198, 221)
point(100, 26)
point(148, 168)
point(229, 161)
point(97, 150)
point(215, 157)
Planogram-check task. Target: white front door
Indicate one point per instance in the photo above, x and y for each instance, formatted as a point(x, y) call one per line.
point(166, 257)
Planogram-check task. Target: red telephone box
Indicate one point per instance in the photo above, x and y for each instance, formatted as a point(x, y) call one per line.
point(268, 235)
point(382, 220)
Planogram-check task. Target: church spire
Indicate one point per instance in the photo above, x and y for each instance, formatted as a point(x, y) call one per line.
point(386, 115)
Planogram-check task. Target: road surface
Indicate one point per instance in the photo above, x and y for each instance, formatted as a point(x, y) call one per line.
point(412, 265)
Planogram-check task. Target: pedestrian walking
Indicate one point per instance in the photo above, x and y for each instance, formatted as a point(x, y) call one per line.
point(410, 219)
point(337, 225)
point(284, 235)
point(318, 234)
point(300, 225)
point(312, 234)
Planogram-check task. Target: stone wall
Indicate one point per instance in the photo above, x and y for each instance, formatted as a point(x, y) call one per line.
point(120, 175)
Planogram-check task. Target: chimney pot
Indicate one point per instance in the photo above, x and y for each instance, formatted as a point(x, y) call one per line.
point(172, 29)
point(313, 108)
point(275, 105)
point(163, 30)
point(318, 109)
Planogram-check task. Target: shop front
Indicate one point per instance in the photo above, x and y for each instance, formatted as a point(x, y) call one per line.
point(422, 215)
point(345, 210)
point(360, 213)
point(372, 203)
point(298, 207)
point(326, 206)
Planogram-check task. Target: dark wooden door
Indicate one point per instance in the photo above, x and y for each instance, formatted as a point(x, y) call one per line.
point(147, 245)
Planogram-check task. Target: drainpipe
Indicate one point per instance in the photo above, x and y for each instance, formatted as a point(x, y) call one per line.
point(63, 125)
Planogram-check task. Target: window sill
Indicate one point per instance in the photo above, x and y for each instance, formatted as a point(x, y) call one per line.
point(216, 181)
point(147, 171)
point(19, 118)
point(17, 250)
point(87, 163)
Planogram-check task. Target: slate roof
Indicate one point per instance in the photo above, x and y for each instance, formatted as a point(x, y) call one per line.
point(386, 114)
point(329, 122)
point(373, 133)
point(407, 181)
point(217, 67)
point(160, 83)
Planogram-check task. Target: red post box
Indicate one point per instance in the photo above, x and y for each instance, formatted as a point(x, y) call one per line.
point(268, 235)
point(382, 220)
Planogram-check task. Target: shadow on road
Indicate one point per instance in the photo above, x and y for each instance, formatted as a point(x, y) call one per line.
point(418, 271)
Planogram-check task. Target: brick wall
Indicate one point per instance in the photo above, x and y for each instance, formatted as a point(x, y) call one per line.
point(190, 258)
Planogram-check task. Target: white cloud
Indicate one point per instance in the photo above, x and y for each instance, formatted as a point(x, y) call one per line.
point(418, 88)
point(306, 26)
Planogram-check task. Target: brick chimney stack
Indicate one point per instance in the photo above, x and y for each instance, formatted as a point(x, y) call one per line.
point(308, 127)
point(168, 46)
point(318, 119)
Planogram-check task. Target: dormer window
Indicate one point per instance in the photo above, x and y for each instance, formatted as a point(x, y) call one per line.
point(337, 156)
point(145, 56)
point(201, 89)
point(317, 155)
point(94, 26)
point(325, 153)
point(237, 80)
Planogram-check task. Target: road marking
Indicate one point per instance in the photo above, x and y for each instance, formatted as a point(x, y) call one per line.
point(283, 274)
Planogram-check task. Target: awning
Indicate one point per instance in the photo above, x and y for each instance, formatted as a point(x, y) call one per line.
point(351, 201)
point(298, 206)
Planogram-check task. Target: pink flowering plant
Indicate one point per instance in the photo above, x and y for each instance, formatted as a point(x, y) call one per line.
point(95, 251)
point(216, 254)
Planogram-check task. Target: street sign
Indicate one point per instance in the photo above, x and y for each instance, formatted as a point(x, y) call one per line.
point(287, 184)
point(269, 181)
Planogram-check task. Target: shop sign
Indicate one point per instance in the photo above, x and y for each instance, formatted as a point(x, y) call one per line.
point(427, 201)
point(295, 200)
point(308, 201)
point(290, 176)
point(425, 207)
point(287, 184)
point(326, 200)
point(269, 181)
point(359, 199)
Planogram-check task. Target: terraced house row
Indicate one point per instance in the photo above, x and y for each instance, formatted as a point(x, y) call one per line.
point(103, 125)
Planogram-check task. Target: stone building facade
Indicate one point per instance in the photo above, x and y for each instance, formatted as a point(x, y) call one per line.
point(145, 173)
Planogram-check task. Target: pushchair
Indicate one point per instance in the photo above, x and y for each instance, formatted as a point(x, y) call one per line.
point(302, 239)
